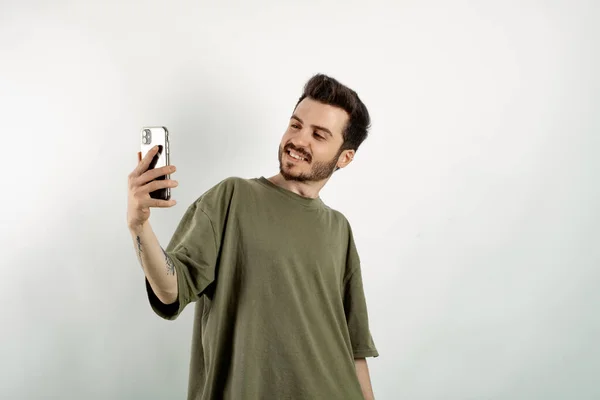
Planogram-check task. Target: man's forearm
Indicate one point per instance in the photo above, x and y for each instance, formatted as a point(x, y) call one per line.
point(157, 267)
point(362, 372)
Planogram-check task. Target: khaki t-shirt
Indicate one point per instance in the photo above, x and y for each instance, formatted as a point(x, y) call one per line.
point(280, 311)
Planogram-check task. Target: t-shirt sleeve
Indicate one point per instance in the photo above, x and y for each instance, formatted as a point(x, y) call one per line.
point(193, 251)
point(355, 306)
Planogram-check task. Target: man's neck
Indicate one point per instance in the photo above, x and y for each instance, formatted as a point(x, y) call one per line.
point(307, 189)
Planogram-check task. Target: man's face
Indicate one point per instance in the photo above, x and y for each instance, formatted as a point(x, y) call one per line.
point(315, 134)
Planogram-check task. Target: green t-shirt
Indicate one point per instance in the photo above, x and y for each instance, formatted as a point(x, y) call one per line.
point(280, 311)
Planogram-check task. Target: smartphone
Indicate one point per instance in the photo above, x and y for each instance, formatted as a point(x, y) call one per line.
point(152, 136)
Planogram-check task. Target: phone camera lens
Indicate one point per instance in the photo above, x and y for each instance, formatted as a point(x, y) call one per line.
point(146, 136)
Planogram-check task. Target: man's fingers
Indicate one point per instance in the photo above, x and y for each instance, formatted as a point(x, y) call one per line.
point(158, 184)
point(139, 156)
point(145, 162)
point(160, 203)
point(155, 173)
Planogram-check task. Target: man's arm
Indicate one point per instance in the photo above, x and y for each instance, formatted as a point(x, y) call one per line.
point(158, 268)
point(362, 371)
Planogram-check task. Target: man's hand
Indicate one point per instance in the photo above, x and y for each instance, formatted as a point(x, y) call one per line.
point(140, 183)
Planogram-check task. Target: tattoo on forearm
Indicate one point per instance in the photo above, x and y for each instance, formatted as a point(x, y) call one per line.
point(170, 265)
point(139, 248)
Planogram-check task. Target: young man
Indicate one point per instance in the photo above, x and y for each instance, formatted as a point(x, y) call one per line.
point(274, 273)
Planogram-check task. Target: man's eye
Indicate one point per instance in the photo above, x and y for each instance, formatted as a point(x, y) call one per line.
point(319, 136)
point(295, 126)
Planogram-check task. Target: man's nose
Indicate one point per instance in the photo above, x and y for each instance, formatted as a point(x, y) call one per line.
point(302, 139)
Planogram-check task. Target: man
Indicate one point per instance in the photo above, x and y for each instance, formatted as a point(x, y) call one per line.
point(274, 273)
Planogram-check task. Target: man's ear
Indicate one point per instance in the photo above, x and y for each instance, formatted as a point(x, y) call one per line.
point(345, 158)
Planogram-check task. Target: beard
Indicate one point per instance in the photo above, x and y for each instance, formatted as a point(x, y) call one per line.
point(319, 170)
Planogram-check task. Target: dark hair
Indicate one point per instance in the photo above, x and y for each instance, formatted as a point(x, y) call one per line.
point(327, 90)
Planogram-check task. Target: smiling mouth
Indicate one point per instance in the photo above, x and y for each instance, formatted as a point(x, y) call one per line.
point(290, 156)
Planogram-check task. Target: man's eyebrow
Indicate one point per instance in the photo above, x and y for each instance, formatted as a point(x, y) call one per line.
point(321, 128)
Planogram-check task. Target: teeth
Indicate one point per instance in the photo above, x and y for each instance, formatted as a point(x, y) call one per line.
point(297, 157)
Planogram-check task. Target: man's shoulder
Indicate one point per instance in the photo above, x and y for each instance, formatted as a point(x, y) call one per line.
point(234, 181)
point(337, 214)
point(336, 219)
point(225, 184)
point(222, 190)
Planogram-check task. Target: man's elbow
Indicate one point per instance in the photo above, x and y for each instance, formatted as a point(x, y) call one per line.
point(167, 298)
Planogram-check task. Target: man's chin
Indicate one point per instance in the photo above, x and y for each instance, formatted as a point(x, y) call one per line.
point(293, 176)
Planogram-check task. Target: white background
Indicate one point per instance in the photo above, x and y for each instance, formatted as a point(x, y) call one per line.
point(475, 201)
